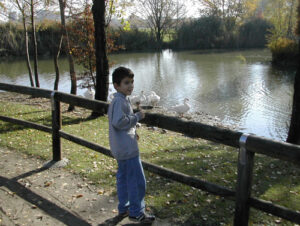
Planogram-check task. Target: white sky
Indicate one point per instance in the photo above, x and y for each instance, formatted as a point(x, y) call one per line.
point(192, 9)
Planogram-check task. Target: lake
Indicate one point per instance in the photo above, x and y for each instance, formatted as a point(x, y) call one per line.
point(240, 88)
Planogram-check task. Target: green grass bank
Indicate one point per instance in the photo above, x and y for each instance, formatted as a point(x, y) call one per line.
point(273, 180)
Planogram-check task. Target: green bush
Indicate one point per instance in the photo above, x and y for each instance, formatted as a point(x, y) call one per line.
point(12, 39)
point(206, 33)
point(12, 42)
point(134, 39)
point(252, 34)
point(48, 36)
point(284, 52)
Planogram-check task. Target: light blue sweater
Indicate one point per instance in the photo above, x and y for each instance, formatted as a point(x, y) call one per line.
point(122, 128)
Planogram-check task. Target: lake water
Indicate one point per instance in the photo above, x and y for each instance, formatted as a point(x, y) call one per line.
point(240, 88)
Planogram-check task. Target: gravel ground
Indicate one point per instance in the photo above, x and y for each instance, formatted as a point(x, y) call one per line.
point(32, 194)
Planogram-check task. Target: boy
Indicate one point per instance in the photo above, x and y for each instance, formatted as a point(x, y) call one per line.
point(131, 183)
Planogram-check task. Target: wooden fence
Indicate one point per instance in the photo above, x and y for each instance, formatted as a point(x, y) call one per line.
point(248, 145)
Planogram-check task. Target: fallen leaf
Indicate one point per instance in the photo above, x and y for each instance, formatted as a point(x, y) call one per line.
point(47, 183)
point(278, 221)
point(100, 192)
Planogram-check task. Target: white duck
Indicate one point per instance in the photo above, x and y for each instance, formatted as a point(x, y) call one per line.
point(110, 96)
point(89, 93)
point(137, 100)
point(143, 98)
point(153, 98)
point(181, 108)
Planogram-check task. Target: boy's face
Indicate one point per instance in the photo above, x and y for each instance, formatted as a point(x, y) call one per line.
point(126, 86)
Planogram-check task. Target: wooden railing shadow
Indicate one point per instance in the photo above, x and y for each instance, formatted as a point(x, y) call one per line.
point(40, 202)
point(248, 145)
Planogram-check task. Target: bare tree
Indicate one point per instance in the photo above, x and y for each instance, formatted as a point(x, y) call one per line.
point(224, 8)
point(35, 53)
point(56, 52)
point(294, 131)
point(162, 15)
point(62, 6)
point(23, 8)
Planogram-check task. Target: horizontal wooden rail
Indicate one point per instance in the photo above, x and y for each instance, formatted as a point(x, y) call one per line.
point(194, 129)
point(35, 92)
point(85, 143)
point(188, 180)
point(174, 175)
point(276, 210)
point(276, 149)
point(95, 105)
point(27, 124)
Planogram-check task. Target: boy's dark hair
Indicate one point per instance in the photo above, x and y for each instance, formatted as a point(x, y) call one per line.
point(121, 73)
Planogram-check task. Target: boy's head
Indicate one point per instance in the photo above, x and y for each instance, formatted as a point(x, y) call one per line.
point(122, 79)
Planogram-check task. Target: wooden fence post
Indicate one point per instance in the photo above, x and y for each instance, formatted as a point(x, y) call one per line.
point(244, 183)
point(56, 126)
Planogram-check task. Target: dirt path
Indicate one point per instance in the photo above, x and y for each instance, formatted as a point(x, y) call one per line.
point(31, 194)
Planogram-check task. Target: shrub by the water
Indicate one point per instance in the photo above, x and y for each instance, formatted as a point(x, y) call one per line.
point(284, 52)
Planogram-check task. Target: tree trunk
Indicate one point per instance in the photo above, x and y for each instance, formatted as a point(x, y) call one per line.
point(91, 71)
point(102, 69)
point(27, 52)
point(55, 58)
point(294, 131)
point(62, 6)
point(35, 60)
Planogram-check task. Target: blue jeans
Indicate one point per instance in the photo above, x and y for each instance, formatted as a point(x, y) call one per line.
point(131, 186)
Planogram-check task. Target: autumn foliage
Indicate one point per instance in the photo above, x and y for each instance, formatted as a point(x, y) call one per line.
point(81, 30)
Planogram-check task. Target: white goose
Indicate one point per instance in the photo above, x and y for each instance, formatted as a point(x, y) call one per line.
point(181, 108)
point(143, 98)
point(110, 96)
point(137, 100)
point(89, 93)
point(153, 98)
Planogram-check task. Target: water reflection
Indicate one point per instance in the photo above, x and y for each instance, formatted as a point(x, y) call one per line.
point(240, 88)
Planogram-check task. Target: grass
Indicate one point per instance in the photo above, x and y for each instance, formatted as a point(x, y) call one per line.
point(273, 180)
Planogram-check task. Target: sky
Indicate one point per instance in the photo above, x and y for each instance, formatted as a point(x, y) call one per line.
point(192, 9)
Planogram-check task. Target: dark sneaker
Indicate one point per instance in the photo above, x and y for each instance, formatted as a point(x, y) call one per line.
point(123, 215)
point(143, 218)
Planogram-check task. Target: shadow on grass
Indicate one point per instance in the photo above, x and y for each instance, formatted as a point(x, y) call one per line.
point(220, 168)
point(46, 121)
